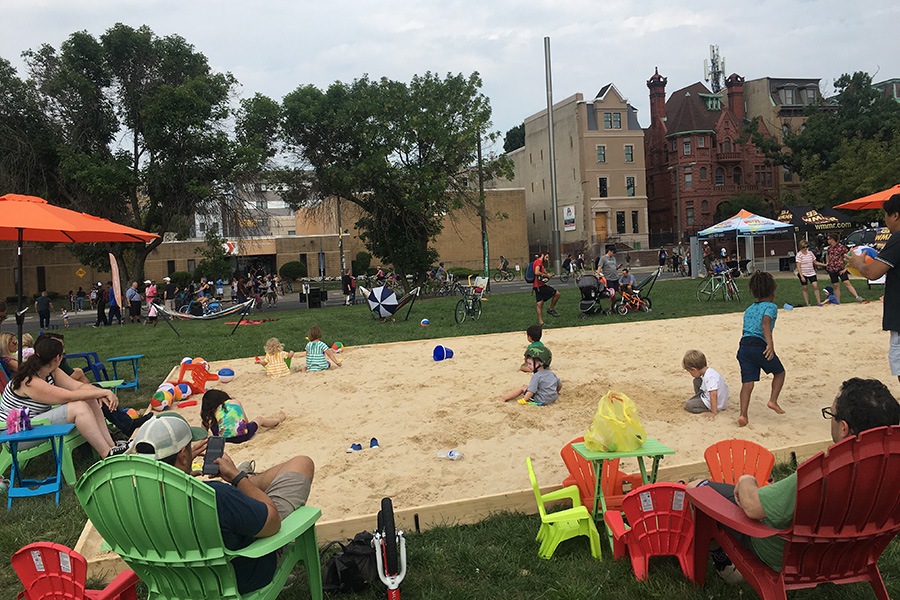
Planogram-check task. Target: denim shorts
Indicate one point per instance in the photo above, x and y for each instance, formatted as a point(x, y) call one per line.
point(751, 357)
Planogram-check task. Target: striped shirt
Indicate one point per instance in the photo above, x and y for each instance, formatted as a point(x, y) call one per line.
point(315, 356)
point(276, 365)
point(11, 400)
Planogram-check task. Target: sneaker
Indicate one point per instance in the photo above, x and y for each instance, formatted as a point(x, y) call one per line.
point(725, 568)
point(860, 299)
point(354, 448)
point(117, 449)
point(373, 443)
point(552, 313)
point(248, 467)
point(123, 443)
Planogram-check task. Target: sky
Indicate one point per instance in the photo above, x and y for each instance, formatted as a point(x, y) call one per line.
point(274, 46)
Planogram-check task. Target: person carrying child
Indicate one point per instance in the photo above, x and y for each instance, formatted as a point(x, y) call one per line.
point(544, 387)
point(710, 390)
point(221, 415)
point(533, 333)
point(275, 362)
point(318, 354)
point(757, 348)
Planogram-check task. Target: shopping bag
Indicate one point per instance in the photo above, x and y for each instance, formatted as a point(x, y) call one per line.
point(616, 426)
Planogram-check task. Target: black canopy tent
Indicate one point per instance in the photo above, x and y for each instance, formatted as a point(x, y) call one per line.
point(807, 219)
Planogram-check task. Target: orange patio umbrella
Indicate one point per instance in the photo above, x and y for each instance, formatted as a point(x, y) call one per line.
point(33, 219)
point(875, 200)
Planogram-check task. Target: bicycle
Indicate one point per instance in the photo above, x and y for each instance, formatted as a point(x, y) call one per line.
point(286, 288)
point(469, 306)
point(502, 275)
point(724, 281)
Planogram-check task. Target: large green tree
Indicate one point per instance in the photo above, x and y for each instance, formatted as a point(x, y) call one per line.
point(405, 153)
point(135, 128)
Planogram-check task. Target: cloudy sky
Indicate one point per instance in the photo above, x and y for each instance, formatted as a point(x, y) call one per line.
point(273, 46)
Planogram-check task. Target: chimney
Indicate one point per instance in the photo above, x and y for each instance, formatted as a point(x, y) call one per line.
point(735, 85)
point(657, 85)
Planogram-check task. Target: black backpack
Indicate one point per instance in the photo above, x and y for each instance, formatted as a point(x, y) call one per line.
point(352, 568)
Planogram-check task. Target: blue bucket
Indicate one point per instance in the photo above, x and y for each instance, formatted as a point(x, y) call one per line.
point(441, 352)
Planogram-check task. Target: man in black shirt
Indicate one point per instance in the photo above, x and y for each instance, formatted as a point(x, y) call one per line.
point(169, 293)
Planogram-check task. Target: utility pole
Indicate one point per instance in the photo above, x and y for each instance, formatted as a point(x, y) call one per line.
point(554, 233)
point(340, 236)
point(482, 210)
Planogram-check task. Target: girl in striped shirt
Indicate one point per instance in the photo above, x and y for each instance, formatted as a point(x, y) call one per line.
point(318, 354)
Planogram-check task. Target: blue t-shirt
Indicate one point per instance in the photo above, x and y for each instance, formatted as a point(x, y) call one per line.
point(753, 318)
point(240, 519)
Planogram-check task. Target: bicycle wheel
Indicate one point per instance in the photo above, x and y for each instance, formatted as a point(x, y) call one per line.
point(578, 276)
point(389, 539)
point(476, 309)
point(622, 308)
point(707, 289)
point(498, 276)
point(509, 276)
point(646, 305)
point(733, 290)
point(461, 311)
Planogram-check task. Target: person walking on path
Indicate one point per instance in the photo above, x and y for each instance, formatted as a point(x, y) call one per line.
point(101, 306)
point(114, 311)
point(542, 291)
point(43, 306)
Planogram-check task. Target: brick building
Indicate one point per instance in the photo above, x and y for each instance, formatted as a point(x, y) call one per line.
point(696, 158)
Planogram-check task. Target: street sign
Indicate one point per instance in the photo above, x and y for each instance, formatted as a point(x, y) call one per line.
point(81, 273)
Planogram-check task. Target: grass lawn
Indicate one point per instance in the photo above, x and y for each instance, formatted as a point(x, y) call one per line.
point(496, 558)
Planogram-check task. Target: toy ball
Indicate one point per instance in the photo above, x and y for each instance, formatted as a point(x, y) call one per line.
point(165, 386)
point(176, 393)
point(868, 255)
point(338, 347)
point(424, 322)
point(186, 360)
point(185, 390)
point(134, 414)
point(226, 375)
point(161, 400)
point(200, 361)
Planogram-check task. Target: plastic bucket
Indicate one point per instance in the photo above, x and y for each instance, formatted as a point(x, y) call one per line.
point(442, 352)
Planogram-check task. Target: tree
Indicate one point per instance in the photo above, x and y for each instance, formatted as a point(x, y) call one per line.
point(515, 138)
point(403, 152)
point(215, 263)
point(751, 202)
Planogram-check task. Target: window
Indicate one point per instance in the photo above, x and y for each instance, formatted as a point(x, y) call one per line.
point(785, 130)
point(686, 145)
point(688, 178)
point(620, 221)
point(191, 265)
point(701, 141)
point(202, 227)
point(262, 204)
point(674, 146)
point(720, 176)
point(788, 175)
point(601, 154)
point(629, 186)
point(726, 147)
point(629, 153)
point(704, 206)
point(607, 120)
point(690, 217)
point(617, 120)
point(736, 176)
point(170, 267)
point(292, 232)
point(810, 96)
point(634, 222)
point(214, 227)
point(788, 96)
point(603, 187)
point(703, 173)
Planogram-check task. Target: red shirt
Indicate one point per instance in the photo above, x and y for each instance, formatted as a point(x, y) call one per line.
point(835, 258)
point(538, 262)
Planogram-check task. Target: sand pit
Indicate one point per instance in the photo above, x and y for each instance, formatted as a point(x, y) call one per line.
point(417, 407)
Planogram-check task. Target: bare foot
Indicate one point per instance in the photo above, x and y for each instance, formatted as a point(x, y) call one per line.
point(742, 421)
point(774, 406)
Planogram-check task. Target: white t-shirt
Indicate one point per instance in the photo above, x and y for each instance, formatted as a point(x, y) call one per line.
point(712, 380)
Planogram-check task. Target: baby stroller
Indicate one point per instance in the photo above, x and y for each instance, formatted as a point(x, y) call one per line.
point(593, 291)
point(638, 299)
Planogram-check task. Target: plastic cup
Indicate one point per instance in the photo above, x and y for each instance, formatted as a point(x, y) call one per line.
point(788, 306)
point(441, 352)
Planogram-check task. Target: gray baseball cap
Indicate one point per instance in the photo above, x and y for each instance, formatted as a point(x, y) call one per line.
point(166, 434)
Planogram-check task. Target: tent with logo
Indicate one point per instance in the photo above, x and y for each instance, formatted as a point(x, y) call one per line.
point(807, 219)
point(745, 224)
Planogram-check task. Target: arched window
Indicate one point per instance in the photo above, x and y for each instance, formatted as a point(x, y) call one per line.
point(720, 176)
point(736, 176)
point(785, 130)
point(704, 206)
point(703, 173)
point(727, 145)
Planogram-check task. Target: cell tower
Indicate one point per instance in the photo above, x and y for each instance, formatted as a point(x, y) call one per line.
point(714, 69)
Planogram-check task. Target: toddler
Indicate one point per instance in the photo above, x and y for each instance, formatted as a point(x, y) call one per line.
point(318, 354)
point(533, 334)
point(710, 391)
point(224, 416)
point(544, 386)
point(65, 318)
point(757, 348)
point(27, 345)
point(277, 361)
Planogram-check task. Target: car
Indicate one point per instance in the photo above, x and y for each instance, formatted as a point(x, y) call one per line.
point(876, 237)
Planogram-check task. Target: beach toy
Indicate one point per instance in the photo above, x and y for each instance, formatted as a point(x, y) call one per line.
point(186, 404)
point(287, 361)
point(186, 360)
point(186, 390)
point(226, 375)
point(161, 400)
point(441, 352)
point(788, 306)
point(200, 361)
point(338, 347)
point(868, 255)
point(166, 386)
point(424, 322)
point(134, 414)
point(177, 396)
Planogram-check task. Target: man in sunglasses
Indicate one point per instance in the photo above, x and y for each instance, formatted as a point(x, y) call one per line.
point(861, 404)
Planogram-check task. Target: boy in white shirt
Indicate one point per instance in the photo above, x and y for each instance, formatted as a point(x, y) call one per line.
point(710, 391)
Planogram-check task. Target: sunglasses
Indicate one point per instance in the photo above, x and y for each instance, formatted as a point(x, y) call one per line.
point(828, 414)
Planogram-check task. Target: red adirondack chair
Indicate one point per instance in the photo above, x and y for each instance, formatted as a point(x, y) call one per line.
point(848, 511)
point(49, 570)
point(660, 525)
point(729, 459)
point(200, 375)
point(581, 474)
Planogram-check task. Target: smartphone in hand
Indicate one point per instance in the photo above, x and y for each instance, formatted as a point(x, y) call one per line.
point(215, 447)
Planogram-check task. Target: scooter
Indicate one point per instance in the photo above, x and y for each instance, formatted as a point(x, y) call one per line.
point(390, 551)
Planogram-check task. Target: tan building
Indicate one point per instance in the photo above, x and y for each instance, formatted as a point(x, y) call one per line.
point(601, 183)
point(780, 104)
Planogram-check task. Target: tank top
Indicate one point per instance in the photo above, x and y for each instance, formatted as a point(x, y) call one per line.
point(11, 400)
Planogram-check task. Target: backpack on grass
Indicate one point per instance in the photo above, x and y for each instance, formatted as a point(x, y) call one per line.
point(529, 273)
point(352, 568)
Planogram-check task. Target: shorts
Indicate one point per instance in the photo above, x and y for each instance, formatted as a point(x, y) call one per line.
point(58, 415)
point(134, 309)
point(662, 262)
point(543, 293)
point(894, 353)
point(842, 276)
point(289, 491)
point(807, 279)
point(751, 357)
point(613, 285)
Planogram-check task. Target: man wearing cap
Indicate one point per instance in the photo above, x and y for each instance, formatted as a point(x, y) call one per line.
point(249, 506)
point(169, 293)
point(150, 292)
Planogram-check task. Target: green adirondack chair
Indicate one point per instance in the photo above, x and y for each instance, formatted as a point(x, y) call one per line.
point(164, 525)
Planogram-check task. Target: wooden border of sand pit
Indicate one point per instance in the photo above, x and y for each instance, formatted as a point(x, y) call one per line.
point(104, 565)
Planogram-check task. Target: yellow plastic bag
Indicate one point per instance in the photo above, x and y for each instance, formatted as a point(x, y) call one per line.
point(616, 426)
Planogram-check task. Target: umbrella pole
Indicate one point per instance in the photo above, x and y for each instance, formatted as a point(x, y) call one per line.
point(244, 313)
point(168, 320)
point(20, 311)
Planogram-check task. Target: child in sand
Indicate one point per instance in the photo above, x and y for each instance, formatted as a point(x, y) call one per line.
point(757, 349)
point(533, 333)
point(710, 391)
point(318, 354)
point(276, 359)
point(222, 415)
point(544, 386)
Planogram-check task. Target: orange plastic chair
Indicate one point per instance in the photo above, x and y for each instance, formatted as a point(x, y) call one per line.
point(200, 376)
point(660, 525)
point(848, 511)
point(49, 570)
point(581, 474)
point(729, 459)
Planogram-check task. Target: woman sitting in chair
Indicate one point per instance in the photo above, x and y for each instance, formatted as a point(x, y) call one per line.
point(47, 392)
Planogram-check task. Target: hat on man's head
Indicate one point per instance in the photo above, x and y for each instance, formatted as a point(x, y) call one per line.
point(165, 435)
point(148, 281)
point(167, 279)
